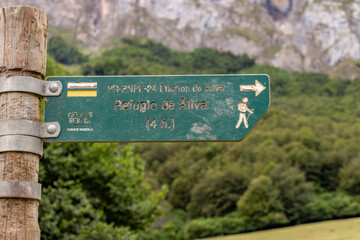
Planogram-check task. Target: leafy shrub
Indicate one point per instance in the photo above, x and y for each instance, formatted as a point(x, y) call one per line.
point(201, 228)
point(153, 234)
point(333, 205)
point(180, 196)
point(172, 229)
point(102, 231)
point(66, 212)
point(231, 225)
point(207, 227)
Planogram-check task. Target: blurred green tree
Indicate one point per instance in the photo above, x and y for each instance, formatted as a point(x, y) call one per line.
point(260, 206)
point(350, 177)
point(294, 192)
point(100, 183)
point(64, 52)
point(217, 192)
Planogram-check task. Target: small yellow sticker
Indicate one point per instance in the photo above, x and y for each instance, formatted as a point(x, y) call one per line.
point(82, 93)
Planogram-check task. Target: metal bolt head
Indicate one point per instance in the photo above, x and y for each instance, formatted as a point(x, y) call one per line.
point(53, 87)
point(51, 129)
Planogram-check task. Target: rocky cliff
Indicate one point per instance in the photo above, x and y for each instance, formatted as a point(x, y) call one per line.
point(310, 35)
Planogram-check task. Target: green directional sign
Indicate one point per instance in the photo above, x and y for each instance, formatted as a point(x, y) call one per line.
point(158, 108)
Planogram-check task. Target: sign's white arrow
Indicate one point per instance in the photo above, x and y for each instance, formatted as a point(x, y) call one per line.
point(257, 88)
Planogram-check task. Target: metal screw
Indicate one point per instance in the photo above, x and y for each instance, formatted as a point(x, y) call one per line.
point(51, 129)
point(54, 87)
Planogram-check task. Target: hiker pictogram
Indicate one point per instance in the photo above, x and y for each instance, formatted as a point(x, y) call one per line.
point(243, 108)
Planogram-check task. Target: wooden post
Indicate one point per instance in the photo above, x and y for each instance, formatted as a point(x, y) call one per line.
point(23, 36)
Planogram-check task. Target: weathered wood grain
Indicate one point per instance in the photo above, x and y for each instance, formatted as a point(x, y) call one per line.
point(23, 37)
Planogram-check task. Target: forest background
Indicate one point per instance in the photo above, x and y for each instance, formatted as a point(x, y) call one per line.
point(299, 164)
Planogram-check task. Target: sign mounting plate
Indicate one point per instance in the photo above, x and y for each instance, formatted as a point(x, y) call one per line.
point(158, 108)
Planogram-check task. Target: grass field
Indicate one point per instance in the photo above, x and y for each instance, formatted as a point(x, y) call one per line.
point(348, 229)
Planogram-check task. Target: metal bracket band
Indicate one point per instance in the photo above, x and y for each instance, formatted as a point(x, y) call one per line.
point(20, 143)
point(30, 85)
point(30, 128)
point(19, 189)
